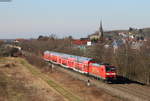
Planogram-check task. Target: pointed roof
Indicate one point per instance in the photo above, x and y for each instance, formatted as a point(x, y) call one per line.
point(101, 29)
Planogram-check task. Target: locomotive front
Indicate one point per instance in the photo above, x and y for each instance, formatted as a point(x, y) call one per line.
point(110, 73)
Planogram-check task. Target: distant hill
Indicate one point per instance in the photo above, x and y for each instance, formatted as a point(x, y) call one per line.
point(145, 31)
point(114, 33)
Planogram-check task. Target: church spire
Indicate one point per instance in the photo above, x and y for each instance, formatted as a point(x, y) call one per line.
point(101, 33)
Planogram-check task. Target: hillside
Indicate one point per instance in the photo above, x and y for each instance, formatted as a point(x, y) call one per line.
point(146, 31)
point(17, 83)
point(20, 81)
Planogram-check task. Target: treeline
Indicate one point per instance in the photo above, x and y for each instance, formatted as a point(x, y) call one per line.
point(7, 50)
point(132, 64)
point(38, 46)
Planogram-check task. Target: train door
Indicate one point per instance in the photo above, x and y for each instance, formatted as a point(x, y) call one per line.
point(59, 59)
point(81, 67)
point(49, 57)
point(70, 63)
point(86, 67)
point(102, 72)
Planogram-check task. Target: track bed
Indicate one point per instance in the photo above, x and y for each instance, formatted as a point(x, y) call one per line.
point(127, 91)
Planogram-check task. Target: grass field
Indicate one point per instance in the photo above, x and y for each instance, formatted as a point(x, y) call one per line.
point(63, 91)
point(20, 81)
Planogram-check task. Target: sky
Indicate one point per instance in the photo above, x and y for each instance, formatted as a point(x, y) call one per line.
point(79, 18)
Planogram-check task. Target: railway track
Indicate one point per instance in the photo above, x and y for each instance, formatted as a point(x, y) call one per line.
point(129, 91)
point(135, 90)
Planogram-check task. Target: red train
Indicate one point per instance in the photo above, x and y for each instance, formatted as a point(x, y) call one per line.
point(83, 65)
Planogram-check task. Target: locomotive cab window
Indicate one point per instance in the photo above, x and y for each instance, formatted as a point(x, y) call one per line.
point(93, 61)
point(110, 69)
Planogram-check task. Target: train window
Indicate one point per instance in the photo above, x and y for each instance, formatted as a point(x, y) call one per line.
point(78, 61)
point(110, 69)
point(95, 64)
point(64, 57)
point(93, 61)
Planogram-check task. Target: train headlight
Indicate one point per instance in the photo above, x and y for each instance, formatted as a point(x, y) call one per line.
point(110, 73)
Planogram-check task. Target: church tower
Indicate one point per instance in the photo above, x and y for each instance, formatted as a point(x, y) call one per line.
point(101, 33)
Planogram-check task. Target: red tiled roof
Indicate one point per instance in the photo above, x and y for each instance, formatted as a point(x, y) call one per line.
point(80, 42)
point(20, 39)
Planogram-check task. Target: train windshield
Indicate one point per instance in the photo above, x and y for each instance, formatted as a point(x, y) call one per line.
point(93, 61)
point(110, 69)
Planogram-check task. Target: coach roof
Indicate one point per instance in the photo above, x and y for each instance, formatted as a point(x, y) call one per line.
point(77, 58)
